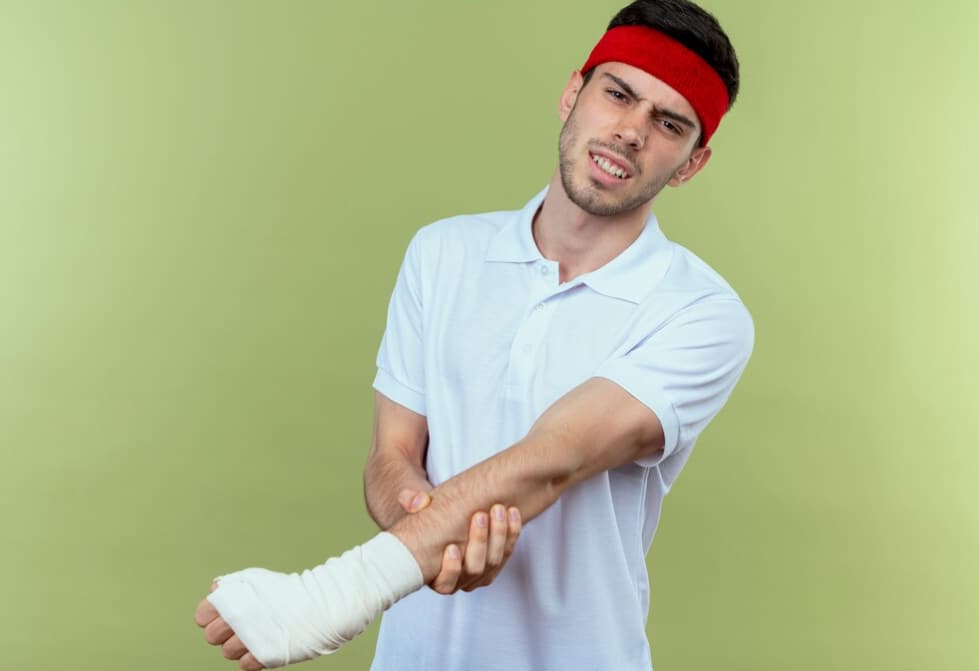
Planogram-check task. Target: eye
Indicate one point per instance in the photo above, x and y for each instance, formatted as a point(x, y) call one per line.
point(616, 94)
point(671, 126)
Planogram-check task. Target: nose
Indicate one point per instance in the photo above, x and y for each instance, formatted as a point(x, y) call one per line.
point(631, 131)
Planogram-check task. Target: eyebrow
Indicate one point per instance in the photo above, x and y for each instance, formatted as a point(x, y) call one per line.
point(669, 114)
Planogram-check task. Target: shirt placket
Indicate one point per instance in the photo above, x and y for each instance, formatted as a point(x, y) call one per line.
point(528, 341)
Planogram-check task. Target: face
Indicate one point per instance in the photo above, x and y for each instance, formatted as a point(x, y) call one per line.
point(626, 135)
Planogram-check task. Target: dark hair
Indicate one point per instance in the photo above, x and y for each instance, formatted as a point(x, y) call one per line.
point(691, 26)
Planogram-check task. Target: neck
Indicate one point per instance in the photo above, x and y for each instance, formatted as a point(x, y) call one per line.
point(581, 242)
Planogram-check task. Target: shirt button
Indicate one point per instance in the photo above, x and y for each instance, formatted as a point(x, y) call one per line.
point(545, 270)
point(540, 307)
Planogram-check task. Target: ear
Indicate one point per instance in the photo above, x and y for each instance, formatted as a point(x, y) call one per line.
point(570, 95)
point(698, 159)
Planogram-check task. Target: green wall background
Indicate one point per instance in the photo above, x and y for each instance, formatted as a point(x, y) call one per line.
point(203, 206)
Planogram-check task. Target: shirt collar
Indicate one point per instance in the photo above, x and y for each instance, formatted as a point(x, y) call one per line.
point(514, 243)
point(629, 276)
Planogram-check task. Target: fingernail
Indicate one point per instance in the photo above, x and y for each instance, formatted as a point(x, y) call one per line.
point(418, 501)
point(514, 515)
point(499, 513)
point(453, 552)
point(482, 519)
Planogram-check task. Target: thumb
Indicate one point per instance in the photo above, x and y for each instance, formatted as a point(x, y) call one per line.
point(413, 501)
point(405, 498)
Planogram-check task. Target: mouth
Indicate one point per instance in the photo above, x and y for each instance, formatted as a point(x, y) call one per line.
point(609, 167)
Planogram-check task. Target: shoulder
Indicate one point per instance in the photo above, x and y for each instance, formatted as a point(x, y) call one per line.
point(455, 244)
point(688, 273)
point(464, 230)
point(691, 292)
point(467, 235)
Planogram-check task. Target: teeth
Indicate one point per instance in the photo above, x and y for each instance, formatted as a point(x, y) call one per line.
point(608, 167)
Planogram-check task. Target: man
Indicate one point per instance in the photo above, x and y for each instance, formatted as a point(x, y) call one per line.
point(559, 362)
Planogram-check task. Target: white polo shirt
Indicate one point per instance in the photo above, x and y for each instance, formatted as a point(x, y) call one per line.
point(481, 338)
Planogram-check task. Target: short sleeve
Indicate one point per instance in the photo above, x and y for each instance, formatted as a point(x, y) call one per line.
point(400, 360)
point(686, 369)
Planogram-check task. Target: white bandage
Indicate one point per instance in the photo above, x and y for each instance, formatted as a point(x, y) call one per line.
point(287, 618)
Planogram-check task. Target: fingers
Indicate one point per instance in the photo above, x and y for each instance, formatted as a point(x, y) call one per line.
point(476, 545)
point(447, 580)
point(515, 526)
point(492, 539)
point(217, 632)
point(497, 536)
point(503, 537)
point(205, 613)
point(249, 663)
point(233, 648)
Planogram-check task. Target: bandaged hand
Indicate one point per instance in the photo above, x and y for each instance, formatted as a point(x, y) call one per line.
point(272, 619)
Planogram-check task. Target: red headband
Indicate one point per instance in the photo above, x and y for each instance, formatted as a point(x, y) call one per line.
point(670, 62)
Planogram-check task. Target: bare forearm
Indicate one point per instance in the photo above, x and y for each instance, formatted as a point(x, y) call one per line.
point(385, 476)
